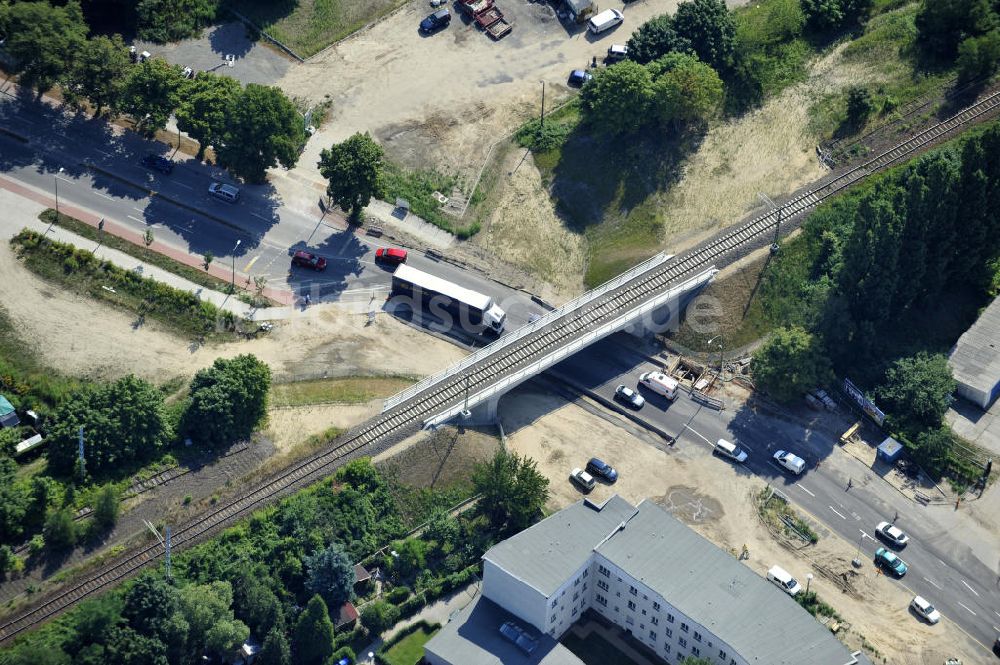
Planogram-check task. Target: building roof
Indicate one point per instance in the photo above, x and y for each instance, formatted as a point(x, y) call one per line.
point(975, 360)
point(361, 574)
point(8, 417)
point(546, 554)
point(5, 406)
point(348, 614)
point(720, 593)
point(578, 6)
point(473, 638)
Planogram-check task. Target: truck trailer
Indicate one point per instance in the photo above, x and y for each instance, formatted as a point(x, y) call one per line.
point(474, 310)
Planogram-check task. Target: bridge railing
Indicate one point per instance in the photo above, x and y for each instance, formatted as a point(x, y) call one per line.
point(521, 332)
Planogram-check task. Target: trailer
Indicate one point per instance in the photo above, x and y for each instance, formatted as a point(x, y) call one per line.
point(446, 300)
point(487, 16)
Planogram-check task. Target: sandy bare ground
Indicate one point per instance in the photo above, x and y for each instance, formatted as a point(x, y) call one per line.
point(89, 339)
point(714, 498)
point(289, 426)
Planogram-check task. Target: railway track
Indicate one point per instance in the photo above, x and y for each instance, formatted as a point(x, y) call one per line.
point(451, 388)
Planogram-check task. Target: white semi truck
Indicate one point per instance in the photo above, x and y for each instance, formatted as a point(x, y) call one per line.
point(442, 298)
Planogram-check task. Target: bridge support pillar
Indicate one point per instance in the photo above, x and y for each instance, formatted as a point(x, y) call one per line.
point(482, 414)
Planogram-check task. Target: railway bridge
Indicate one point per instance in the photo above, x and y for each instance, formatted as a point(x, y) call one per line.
point(483, 376)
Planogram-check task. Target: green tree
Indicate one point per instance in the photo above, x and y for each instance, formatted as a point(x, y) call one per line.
point(978, 57)
point(312, 642)
point(691, 660)
point(227, 400)
point(931, 449)
point(255, 603)
point(654, 39)
point(685, 90)
point(44, 40)
point(379, 616)
point(150, 92)
point(122, 422)
point(331, 575)
point(944, 24)
point(164, 21)
point(275, 650)
point(831, 15)
point(127, 647)
point(618, 99)
point(512, 491)
point(353, 169)
point(443, 529)
point(207, 610)
point(97, 72)
point(411, 556)
point(94, 619)
point(106, 504)
point(859, 106)
point(150, 605)
point(263, 131)
point(917, 391)
point(709, 26)
point(60, 530)
point(790, 363)
point(14, 502)
point(206, 108)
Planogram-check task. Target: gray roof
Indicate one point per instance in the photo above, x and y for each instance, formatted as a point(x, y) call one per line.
point(739, 606)
point(473, 638)
point(975, 360)
point(545, 555)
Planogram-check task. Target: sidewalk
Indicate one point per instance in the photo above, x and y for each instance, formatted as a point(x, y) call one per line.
point(22, 210)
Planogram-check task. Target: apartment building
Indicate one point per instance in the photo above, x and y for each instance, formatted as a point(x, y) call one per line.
point(641, 569)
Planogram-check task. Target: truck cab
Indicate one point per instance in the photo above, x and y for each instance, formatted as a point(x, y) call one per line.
point(495, 317)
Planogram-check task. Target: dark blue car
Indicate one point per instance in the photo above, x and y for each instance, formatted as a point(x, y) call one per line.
point(600, 468)
point(439, 19)
point(157, 163)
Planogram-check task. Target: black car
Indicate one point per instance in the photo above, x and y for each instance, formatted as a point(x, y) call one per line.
point(157, 163)
point(439, 19)
point(596, 467)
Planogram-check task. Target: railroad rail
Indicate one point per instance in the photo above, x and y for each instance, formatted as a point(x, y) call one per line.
point(438, 396)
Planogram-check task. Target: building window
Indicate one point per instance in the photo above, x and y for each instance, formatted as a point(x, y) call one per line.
point(655, 621)
point(584, 586)
point(577, 595)
point(722, 655)
point(630, 621)
point(656, 606)
point(666, 648)
point(573, 612)
point(652, 636)
point(602, 585)
point(553, 619)
point(604, 571)
point(695, 652)
point(697, 636)
point(670, 617)
point(732, 661)
point(554, 601)
point(576, 582)
point(684, 627)
point(631, 605)
point(670, 632)
point(602, 600)
point(644, 613)
point(632, 590)
point(682, 642)
point(586, 572)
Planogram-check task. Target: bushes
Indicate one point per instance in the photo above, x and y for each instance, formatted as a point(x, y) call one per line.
point(379, 616)
point(398, 594)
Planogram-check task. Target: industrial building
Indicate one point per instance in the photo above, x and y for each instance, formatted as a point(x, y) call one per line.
point(975, 359)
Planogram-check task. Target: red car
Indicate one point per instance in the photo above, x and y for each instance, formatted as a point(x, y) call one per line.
point(390, 255)
point(308, 260)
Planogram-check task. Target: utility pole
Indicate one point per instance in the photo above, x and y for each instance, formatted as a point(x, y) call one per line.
point(234, 263)
point(83, 461)
point(55, 180)
point(542, 119)
point(777, 225)
point(165, 543)
point(465, 410)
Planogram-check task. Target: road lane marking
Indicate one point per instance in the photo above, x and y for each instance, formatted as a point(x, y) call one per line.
point(929, 580)
point(181, 184)
point(136, 219)
point(970, 588)
point(970, 611)
point(807, 491)
point(104, 195)
point(250, 265)
point(836, 513)
point(106, 154)
point(697, 433)
point(997, 613)
point(942, 563)
point(266, 219)
point(138, 209)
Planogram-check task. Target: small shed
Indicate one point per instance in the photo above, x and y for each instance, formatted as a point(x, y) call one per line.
point(361, 574)
point(246, 654)
point(347, 616)
point(581, 10)
point(889, 450)
point(8, 417)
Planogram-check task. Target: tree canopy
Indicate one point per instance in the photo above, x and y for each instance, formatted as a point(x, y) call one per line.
point(150, 93)
point(709, 27)
point(685, 90)
point(917, 391)
point(944, 24)
point(227, 400)
point(264, 130)
point(790, 363)
point(331, 575)
point(353, 169)
point(172, 20)
point(617, 99)
point(43, 40)
point(512, 491)
point(831, 15)
point(98, 71)
point(654, 39)
point(206, 108)
point(312, 642)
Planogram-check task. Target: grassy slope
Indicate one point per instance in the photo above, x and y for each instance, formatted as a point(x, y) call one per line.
point(346, 390)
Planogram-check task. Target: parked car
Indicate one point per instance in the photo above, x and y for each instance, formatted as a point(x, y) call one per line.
point(578, 77)
point(308, 260)
point(157, 163)
point(602, 469)
point(606, 20)
point(583, 479)
point(227, 193)
point(390, 255)
point(629, 396)
point(439, 19)
point(889, 561)
point(616, 53)
point(892, 534)
point(790, 462)
point(784, 580)
point(922, 607)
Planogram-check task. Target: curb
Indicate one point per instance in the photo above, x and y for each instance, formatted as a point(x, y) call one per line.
point(14, 135)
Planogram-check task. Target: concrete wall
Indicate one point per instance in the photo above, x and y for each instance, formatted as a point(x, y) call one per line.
point(514, 595)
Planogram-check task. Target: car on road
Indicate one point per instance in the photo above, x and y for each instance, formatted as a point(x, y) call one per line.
point(578, 77)
point(390, 255)
point(629, 396)
point(157, 163)
point(790, 462)
point(436, 21)
point(923, 607)
point(889, 561)
point(730, 451)
point(601, 469)
point(583, 479)
point(305, 259)
point(891, 534)
point(225, 192)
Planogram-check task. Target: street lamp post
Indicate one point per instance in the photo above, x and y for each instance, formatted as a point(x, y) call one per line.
point(809, 579)
point(55, 179)
point(722, 352)
point(234, 263)
point(857, 557)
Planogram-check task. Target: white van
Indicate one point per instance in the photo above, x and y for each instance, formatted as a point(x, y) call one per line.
point(731, 451)
point(660, 383)
point(606, 20)
point(783, 580)
point(227, 193)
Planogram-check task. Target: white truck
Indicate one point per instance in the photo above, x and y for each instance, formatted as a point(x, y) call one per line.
point(661, 384)
point(474, 311)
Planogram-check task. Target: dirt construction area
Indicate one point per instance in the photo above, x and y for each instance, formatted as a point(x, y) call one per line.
point(716, 500)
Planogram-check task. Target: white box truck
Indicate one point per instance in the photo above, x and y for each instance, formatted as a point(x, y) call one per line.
point(442, 297)
point(661, 384)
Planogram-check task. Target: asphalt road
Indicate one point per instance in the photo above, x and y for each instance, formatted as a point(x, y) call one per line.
point(964, 588)
point(268, 232)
